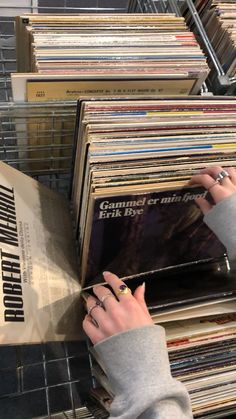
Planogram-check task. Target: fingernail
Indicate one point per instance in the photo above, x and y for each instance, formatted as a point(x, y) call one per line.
point(106, 273)
point(143, 286)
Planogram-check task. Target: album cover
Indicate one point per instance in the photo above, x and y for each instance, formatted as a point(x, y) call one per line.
point(136, 233)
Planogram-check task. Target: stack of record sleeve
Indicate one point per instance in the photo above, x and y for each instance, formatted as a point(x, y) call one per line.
point(136, 216)
point(219, 21)
point(64, 57)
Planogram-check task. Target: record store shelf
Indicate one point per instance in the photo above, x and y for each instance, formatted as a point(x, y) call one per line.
point(218, 82)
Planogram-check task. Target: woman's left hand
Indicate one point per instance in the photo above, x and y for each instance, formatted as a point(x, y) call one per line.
point(111, 314)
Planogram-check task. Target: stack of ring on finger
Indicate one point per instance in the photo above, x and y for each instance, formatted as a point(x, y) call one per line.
point(97, 304)
point(123, 290)
point(221, 175)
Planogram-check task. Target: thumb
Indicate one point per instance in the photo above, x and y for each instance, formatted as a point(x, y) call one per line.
point(203, 205)
point(139, 296)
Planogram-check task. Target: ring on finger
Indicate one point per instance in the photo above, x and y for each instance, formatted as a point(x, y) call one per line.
point(104, 297)
point(123, 290)
point(221, 175)
point(96, 305)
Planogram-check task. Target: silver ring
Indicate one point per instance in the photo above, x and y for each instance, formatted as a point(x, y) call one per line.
point(222, 175)
point(97, 304)
point(104, 297)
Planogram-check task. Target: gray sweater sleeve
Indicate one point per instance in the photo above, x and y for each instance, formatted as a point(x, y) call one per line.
point(137, 365)
point(222, 221)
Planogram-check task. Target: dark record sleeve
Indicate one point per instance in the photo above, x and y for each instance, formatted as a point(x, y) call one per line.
point(138, 233)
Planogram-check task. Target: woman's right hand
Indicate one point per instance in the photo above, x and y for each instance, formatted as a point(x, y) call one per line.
point(220, 183)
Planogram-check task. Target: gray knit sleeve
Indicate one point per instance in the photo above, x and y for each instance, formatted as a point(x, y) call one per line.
point(221, 219)
point(137, 365)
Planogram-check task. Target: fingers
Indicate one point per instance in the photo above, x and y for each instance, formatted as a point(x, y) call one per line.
point(220, 183)
point(95, 310)
point(97, 319)
point(224, 176)
point(119, 287)
point(93, 332)
point(214, 173)
point(139, 296)
point(232, 173)
point(203, 205)
point(208, 183)
point(106, 297)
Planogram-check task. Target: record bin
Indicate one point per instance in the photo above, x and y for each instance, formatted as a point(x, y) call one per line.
point(218, 82)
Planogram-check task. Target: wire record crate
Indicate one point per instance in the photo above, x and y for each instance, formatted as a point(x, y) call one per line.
point(49, 380)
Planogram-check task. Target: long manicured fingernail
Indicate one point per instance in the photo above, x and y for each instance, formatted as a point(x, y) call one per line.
point(106, 273)
point(143, 286)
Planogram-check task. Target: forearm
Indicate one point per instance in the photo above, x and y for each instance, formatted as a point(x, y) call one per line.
point(221, 219)
point(137, 366)
point(167, 408)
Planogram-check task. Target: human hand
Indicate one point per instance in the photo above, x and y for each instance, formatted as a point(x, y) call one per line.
point(220, 183)
point(114, 316)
